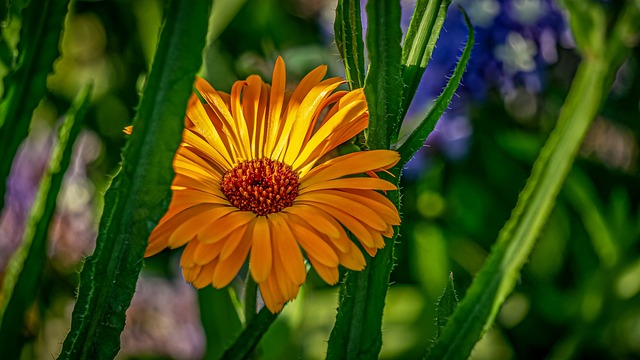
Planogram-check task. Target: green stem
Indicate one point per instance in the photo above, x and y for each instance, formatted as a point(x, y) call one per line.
point(250, 295)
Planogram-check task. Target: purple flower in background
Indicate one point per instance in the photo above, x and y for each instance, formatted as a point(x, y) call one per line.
point(164, 320)
point(72, 235)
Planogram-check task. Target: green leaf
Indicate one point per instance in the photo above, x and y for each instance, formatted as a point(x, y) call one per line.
point(24, 272)
point(348, 33)
point(496, 279)
point(422, 35)
point(244, 345)
point(419, 135)
point(219, 319)
point(383, 84)
point(446, 305)
point(140, 193)
point(26, 84)
point(357, 332)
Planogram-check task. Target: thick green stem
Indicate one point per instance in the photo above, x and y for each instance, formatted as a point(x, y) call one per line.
point(250, 294)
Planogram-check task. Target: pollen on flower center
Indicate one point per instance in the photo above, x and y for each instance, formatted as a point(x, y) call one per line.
point(263, 186)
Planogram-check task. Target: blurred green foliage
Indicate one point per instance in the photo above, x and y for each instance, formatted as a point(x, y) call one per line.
point(578, 297)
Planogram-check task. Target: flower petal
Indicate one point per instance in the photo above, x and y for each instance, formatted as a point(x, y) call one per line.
point(337, 199)
point(276, 103)
point(350, 164)
point(192, 226)
point(229, 267)
point(205, 276)
point(301, 91)
point(261, 257)
point(159, 238)
point(314, 218)
point(205, 253)
point(364, 183)
point(186, 260)
point(220, 228)
point(312, 242)
point(288, 249)
point(329, 274)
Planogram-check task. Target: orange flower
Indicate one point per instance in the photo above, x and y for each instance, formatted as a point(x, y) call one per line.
point(250, 182)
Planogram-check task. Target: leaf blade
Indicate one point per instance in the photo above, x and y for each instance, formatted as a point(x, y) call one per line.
point(419, 135)
point(139, 193)
point(446, 305)
point(422, 35)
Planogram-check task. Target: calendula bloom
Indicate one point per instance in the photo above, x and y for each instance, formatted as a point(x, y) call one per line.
point(252, 181)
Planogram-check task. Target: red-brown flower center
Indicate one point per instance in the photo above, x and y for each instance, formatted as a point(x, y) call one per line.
point(263, 186)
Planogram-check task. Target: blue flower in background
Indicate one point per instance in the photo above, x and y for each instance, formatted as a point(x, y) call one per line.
point(515, 41)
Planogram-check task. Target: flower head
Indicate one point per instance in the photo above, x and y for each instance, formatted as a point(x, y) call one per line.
point(252, 181)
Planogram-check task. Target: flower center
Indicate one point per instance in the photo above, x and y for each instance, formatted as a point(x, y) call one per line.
point(263, 186)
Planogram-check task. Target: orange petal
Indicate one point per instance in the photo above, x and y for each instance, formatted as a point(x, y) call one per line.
point(205, 253)
point(285, 244)
point(329, 274)
point(206, 275)
point(337, 200)
point(270, 297)
point(159, 238)
point(303, 88)
point(276, 103)
point(212, 154)
point(231, 243)
point(203, 125)
point(349, 113)
point(341, 241)
point(382, 204)
point(314, 218)
point(313, 243)
point(350, 164)
point(305, 115)
point(366, 197)
point(354, 225)
point(189, 228)
point(184, 180)
point(251, 104)
point(287, 288)
point(364, 183)
point(353, 259)
point(191, 273)
point(186, 260)
point(185, 197)
point(261, 257)
point(222, 111)
point(189, 153)
point(221, 228)
point(229, 267)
